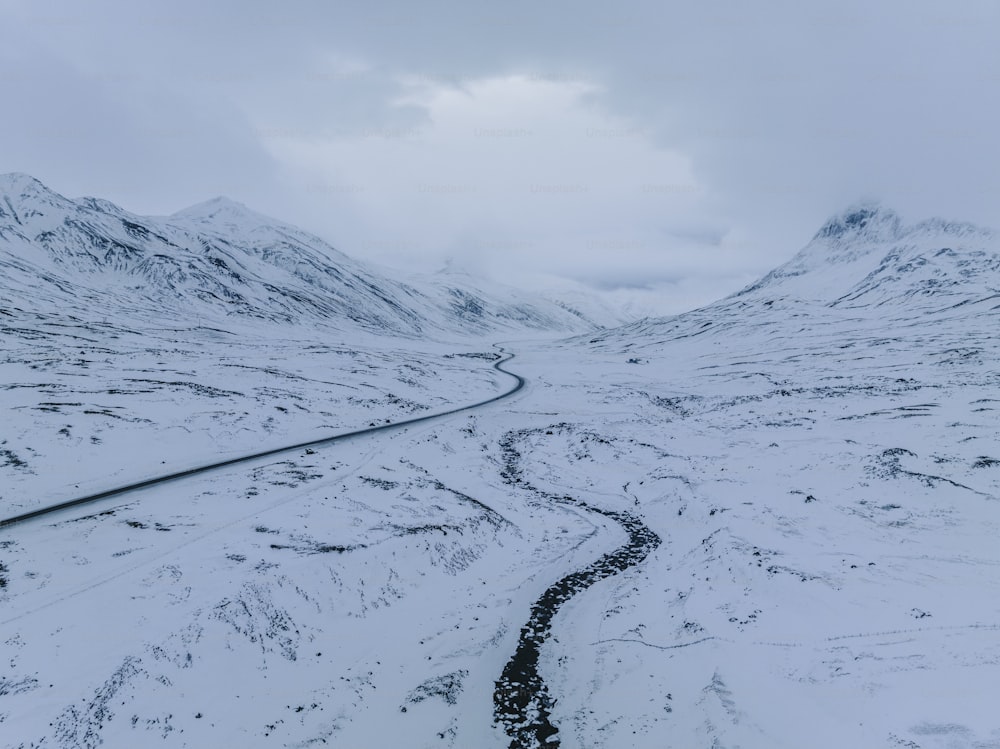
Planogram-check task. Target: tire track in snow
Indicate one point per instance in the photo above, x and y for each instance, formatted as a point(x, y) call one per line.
point(522, 703)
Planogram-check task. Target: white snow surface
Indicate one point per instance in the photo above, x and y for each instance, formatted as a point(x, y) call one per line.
point(817, 455)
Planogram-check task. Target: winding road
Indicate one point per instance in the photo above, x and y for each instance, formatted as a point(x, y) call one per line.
point(167, 478)
point(521, 700)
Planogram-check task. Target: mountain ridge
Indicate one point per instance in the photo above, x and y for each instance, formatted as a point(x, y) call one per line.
point(864, 267)
point(222, 260)
point(866, 255)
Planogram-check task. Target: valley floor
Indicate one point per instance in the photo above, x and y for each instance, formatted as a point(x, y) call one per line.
point(823, 498)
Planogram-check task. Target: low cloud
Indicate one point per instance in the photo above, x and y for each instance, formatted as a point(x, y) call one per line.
point(618, 146)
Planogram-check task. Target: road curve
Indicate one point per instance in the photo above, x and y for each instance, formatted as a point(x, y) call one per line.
point(158, 480)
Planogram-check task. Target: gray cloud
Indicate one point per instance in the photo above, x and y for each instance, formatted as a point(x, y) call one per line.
point(619, 147)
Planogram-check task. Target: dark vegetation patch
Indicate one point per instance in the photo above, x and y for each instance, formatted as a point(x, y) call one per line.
point(380, 483)
point(103, 513)
point(305, 546)
point(888, 465)
point(486, 356)
point(253, 613)
point(195, 387)
point(16, 686)
point(414, 530)
point(405, 403)
point(10, 458)
point(111, 414)
point(81, 725)
point(316, 548)
point(674, 405)
point(54, 407)
point(447, 687)
point(493, 517)
point(286, 473)
point(142, 526)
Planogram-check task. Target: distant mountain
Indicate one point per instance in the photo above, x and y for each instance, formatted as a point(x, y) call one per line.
point(866, 257)
point(220, 261)
point(864, 267)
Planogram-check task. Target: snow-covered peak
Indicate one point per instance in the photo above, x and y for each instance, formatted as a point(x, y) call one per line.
point(100, 205)
point(18, 183)
point(27, 201)
point(866, 220)
point(867, 256)
point(217, 207)
point(23, 193)
point(235, 222)
point(222, 211)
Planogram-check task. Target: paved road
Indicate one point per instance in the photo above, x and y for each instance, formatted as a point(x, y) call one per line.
point(521, 700)
point(158, 480)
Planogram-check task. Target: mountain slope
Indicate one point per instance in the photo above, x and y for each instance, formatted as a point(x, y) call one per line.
point(864, 271)
point(220, 260)
point(866, 257)
point(829, 485)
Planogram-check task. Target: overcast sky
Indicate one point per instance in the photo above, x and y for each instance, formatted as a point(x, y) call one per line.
point(662, 152)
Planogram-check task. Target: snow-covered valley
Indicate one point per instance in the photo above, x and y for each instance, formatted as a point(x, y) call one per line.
point(800, 483)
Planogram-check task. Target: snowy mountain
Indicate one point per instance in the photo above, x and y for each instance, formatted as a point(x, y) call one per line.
point(866, 257)
point(219, 261)
point(829, 490)
point(769, 522)
point(863, 266)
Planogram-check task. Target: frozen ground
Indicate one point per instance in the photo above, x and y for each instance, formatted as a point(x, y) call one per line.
point(828, 513)
point(827, 572)
point(94, 404)
point(769, 523)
